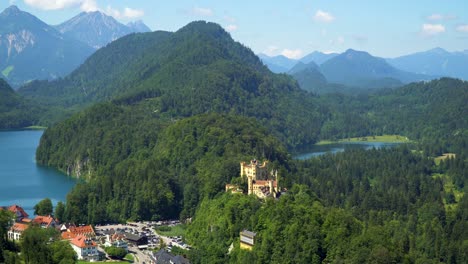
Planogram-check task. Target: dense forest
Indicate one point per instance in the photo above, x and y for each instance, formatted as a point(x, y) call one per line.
point(160, 135)
point(160, 172)
point(378, 206)
point(15, 111)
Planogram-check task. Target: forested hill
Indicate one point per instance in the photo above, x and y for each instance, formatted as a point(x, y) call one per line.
point(134, 62)
point(15, 112)
point(196, 70)
point(434, 112)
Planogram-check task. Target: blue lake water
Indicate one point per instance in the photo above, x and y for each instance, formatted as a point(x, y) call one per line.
point(22, 181)
point(318, 150)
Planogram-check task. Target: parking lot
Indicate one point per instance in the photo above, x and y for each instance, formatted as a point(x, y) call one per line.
point(143, 229)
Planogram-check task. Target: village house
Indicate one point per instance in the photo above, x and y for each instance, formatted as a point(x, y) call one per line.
point(16, 231)
point(45, 221)
point(85, 248)
point(19, 212)
point(116, 240)
point(70, 231)
point(247, 239)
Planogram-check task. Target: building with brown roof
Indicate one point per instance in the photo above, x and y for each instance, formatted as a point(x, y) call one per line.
point(16, 231)
point(87, 231)
point(85, 248)
point(18, 211)
point(45, 221)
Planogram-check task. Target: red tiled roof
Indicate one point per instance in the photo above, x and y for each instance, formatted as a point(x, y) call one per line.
point(43, 220)
point(18, 209)
point(18, 227)
point(68, 235)
point(83, 242)
point(82, 230)
point(26, 220)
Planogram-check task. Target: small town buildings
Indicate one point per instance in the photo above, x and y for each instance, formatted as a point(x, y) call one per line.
point(16, 231)
point(45, 221)
point(70, 232)
point(247, 239)
point(116, 240)
point(164, 257)
point(85, 248)
point(136, 240)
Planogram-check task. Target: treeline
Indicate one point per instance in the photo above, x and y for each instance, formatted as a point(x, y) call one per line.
point(380, 206)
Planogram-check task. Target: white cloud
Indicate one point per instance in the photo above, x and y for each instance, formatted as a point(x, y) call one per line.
point(322, 16)
point(133, 13)
point(271, 50)
point(85, 5)
point(440, 17)
point(292, 54)
point(231, 28)
point(89, 6)
point(340, 40)
point(12, 2)
point(432, 29)
point(200, 11)
point(128, 13)
point(435, 17)
point(462, 28)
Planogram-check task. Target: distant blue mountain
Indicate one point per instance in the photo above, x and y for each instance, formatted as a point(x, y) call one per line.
point(438, 62)
point(98, 29)
point(277, 64)
point(30, 49)
point(318, 57)
point(360, 69)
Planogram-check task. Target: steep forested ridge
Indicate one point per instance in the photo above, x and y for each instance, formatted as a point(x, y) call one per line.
point(196, 70)
point(15, 112)
point(149, 169)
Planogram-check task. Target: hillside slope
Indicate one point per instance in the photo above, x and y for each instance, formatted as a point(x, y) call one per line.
point(196, 70)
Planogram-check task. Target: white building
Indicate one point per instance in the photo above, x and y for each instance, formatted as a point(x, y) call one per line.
point(85, 248)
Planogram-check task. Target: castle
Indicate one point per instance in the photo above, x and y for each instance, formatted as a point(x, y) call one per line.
point(259, 181)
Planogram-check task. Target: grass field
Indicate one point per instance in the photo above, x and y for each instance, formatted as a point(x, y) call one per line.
point(113, 262)
point(35, 127)
point(7, 71)
point(177, 230)
point(449, 187)
point(384, 138)
point(443, 157)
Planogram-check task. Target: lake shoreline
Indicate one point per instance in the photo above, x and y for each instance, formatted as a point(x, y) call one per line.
point(370, 139)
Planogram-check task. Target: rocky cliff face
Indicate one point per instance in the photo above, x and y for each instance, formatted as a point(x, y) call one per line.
point(97, 29)
point(30, 49)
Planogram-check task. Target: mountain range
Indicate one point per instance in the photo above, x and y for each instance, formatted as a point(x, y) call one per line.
point(436, 61)
point(97, 29)
point(360, 69)
point(31, 49)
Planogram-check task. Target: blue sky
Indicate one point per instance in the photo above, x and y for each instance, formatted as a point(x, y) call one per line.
point(385, 28)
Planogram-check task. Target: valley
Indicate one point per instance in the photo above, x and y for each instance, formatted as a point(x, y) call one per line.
point(369, 154)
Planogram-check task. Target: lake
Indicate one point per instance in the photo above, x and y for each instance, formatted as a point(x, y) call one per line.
point(22, 181)
point(318, 150)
